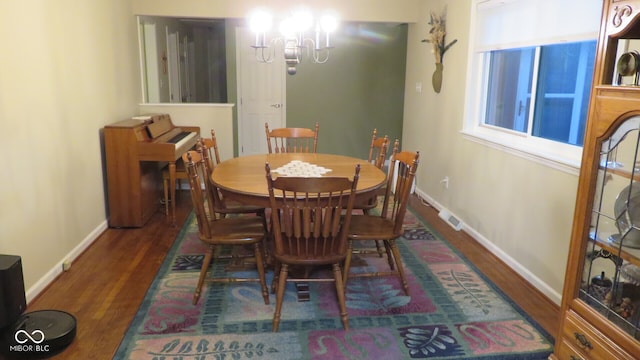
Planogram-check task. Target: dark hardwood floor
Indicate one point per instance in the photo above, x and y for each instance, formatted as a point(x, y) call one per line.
point(106, 284)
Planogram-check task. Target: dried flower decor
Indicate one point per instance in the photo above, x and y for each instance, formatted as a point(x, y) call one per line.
point(439, 47)
point(437, 35)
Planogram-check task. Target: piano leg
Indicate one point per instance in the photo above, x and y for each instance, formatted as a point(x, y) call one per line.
point(172, 189)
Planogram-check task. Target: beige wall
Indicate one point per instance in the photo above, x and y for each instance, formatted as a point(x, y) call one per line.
point(518, 208)
point(63, 76)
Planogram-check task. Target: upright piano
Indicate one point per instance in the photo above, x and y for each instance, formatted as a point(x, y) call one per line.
point(136, 151)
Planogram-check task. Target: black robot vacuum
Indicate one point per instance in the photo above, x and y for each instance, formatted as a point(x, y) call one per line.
point(32, 335)
point(39, 334)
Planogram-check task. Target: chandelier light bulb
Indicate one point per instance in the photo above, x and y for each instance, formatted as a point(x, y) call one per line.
point(302, 20)
point(260, 21)
point(288, 27)
point(328, 23)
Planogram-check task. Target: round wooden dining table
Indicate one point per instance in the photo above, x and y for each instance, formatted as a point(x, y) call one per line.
point(244, 178)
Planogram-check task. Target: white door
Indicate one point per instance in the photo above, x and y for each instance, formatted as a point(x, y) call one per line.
point(261, 95)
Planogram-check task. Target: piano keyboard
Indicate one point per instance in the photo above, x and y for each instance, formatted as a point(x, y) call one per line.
point(187, 138)
point(178, 137)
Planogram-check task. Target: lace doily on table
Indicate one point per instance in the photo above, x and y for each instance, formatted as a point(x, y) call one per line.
point(302, 169)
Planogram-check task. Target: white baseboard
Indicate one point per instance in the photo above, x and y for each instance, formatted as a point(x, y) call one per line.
point(536, 282)
point(52, 274)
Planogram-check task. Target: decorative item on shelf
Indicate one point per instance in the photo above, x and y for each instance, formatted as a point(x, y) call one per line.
point(600, 286)
point(294, 38)
point(627, 213)
point(626, 308)
point(624, 297)
point(439, 47)
point(631, 273)
point(629, 65)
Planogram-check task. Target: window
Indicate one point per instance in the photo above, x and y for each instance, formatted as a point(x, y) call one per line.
point(530, 73)
point(554, 107)
point(509, 88)
point(184, 60)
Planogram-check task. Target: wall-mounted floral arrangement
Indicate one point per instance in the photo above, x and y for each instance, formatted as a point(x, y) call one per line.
point(439, 46)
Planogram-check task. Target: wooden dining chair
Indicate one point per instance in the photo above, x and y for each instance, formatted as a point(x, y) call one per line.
point(309, 231)
point(181, 174)
point(377, 156)
point(388, 225)
point(220, 205)
point(378, 149)
point(394, 150)
point(240, 231)
point(212, 146)
point(285, 140)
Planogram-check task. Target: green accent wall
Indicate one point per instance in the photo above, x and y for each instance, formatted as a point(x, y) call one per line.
point(360, 88)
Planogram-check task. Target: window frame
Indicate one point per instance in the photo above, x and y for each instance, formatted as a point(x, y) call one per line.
point(555, 154)
point(558, 155)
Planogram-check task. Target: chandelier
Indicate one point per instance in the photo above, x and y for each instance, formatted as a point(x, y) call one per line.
point(299, 36)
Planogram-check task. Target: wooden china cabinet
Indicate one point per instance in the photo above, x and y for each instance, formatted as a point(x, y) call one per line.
point(600, 314)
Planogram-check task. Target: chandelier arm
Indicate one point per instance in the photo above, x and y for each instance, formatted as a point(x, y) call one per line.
point(270, 50)
point(318, 58)
point(294, 45)
point(317, 54)
point(260, 54)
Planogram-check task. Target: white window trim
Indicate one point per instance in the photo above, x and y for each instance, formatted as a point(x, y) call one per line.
point(557, 155)
point(552, 158)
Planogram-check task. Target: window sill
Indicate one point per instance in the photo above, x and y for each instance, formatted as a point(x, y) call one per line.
point(567, 164)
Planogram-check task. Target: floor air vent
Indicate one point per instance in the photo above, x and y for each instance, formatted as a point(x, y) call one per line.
point(450, 219)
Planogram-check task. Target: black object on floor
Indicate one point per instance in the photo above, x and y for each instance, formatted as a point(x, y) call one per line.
point(39, 334)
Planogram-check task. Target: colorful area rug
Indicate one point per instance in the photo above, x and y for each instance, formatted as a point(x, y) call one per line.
point(453, 312)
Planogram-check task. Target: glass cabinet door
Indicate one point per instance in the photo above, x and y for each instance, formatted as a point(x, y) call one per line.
point(611, 274)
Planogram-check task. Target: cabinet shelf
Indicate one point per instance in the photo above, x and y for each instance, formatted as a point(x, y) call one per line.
point(624, 88)
point(623, 252)
point(624, 173)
